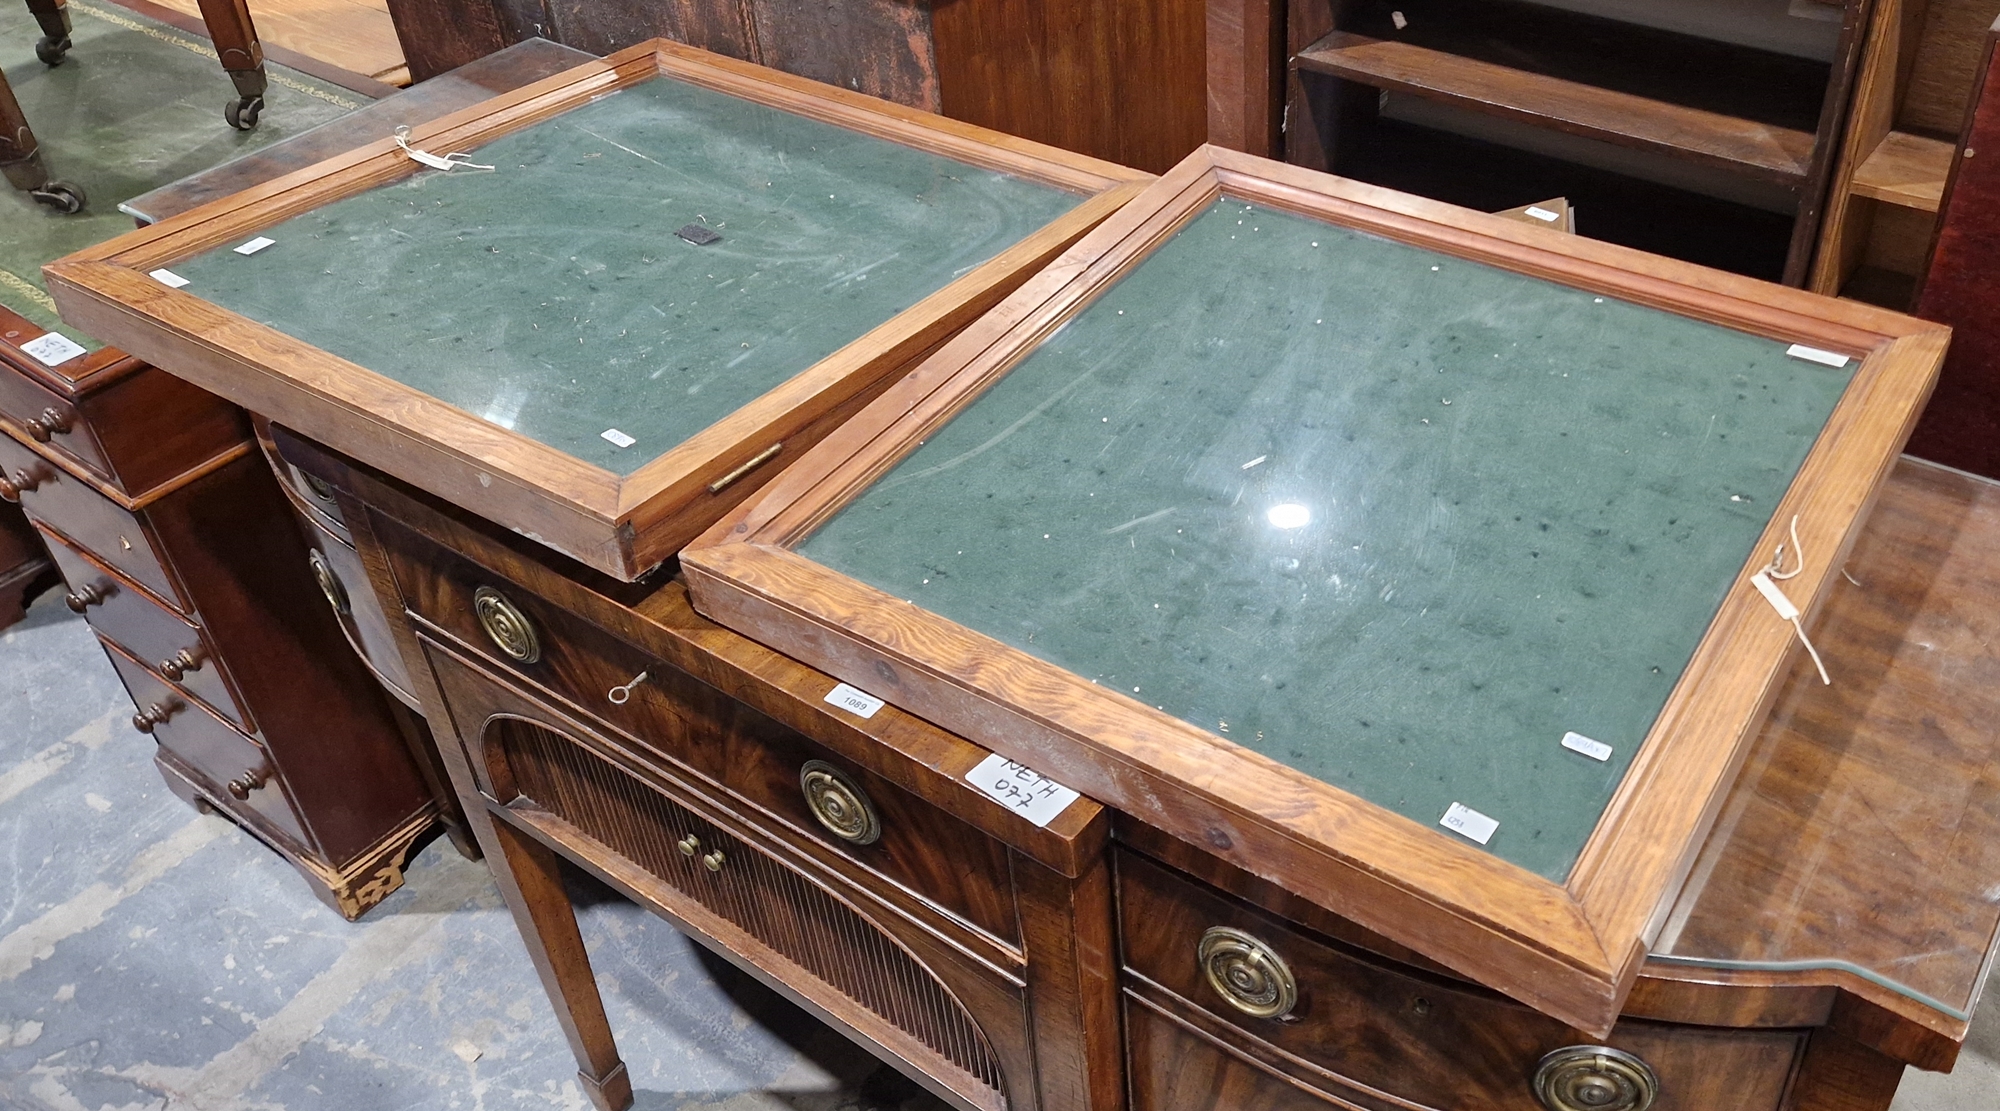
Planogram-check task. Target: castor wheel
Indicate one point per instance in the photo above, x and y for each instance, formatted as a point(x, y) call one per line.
point(51, 49)
point(242, 113)
point(59, 195)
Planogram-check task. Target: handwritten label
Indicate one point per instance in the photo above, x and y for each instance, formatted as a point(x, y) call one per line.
point(168, 278)
point(254, 246)
point(618, 438)
point(1021, 789)
point(1596, 750)
point(1542, 214)
point(857, 702)
point(1463, 819)
point(53, 349)
point(1815, 355)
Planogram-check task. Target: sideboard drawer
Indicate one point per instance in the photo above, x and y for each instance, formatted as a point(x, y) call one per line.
point(164, 640)
point(1363, 1028)
point(343, 579)
point(63, 502)
point(908, 841)
point(222, 760)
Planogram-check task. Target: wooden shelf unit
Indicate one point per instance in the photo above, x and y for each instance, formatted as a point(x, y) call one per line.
point(1916, 80)
point(1739, 129)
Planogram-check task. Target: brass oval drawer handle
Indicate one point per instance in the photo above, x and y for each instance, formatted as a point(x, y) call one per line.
point(689, 845)
point(506, 626)
point(86, 596)
point(1595, 1078)
point(839, 803)
point(1248, 974)
point(329, 582)
point(315, 485)
point(155, 714)
point(20, 482)
point(713, 861)
point(182, 662)
point(51, 421)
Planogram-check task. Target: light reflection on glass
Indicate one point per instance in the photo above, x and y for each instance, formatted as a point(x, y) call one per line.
point(1288, 515)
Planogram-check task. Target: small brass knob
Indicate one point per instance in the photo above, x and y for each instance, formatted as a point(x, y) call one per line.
point(1248, 974)
point(1595, 1078)
point(180, 663)
point(85, 596)
point(20, 482)
point(250, 780)
point(329, 582)
point(690, 845)
point(713, 861)
point(506, 626)
point(50, 422)
point(155, 714)
point(839, 803)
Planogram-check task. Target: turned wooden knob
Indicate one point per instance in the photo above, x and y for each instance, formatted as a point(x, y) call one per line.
point(154, 714)
point(14, 485)
point(250, 780)
point(180, 663)
point(85, 596)
point(48, 424)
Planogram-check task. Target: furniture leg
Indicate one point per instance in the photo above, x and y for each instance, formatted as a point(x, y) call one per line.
point(21, 158)
point(529, 877)
point(53, 16)
point(235, 39)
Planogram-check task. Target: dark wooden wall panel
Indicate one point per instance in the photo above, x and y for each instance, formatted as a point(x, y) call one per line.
point(1962, 426)
point(879, 47)
point(602, 26)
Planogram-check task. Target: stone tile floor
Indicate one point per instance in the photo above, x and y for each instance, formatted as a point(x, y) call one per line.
point(153, 958)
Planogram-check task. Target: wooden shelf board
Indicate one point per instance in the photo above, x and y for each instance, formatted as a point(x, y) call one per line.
point(1906, 170)
point(1740, 145)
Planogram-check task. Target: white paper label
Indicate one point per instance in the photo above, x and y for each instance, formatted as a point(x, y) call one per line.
point(1815, 355)
point(857, 702)
point(1542, 214)
point(617, 437)
point(53, 349)
point(1021, 789)
point(1786, 610)
point(254, 246)
point(1463, 819)
point(168, 278)
point(1596, 750)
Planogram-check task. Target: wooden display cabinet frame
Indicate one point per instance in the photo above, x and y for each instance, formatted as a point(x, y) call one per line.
point(1569, 949)
point(622, 525)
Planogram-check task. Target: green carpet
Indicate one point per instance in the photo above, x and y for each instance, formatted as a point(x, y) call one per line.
point(136, 105)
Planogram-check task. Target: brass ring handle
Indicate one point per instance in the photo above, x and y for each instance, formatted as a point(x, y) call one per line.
point(839, 804)
point(250, 780)
point(329, 582)
point(1248, 974)
point(1595, 1078)
point(506, 626)
point(50, 422)
point(155, 714)
point(182, 662)
point(20, 482)
point(86, 596)
point(713, 861)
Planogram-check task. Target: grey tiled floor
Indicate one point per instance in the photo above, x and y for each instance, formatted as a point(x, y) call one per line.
point(154, 958)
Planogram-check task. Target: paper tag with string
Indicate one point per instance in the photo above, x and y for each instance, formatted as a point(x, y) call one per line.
point(457, 159)
point(1766, 581)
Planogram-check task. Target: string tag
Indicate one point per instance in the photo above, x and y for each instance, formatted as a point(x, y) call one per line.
point(447, 162)
point(1766, 582)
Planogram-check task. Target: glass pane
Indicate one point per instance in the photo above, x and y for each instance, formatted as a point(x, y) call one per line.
point(1395, 519)
point(552, 296)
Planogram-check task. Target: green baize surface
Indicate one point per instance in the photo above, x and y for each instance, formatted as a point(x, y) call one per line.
point(552, 296)
point(1397, 520)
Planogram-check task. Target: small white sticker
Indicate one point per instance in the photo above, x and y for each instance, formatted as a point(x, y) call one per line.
point(1461, 818)
point(1596, 750)
point(53, 349)
point(1399, 20)
point(857, 702)
point(254, 246)
point(1021, 789)
point(1815, 355)
point(1786, 610)
point(618, 438)
point(168, 278)
point(1543, 214)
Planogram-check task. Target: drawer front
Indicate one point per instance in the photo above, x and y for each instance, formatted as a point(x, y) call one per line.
point(217, 754)
point(158, 636)
point(343, 578)
point(87, 517)
point(916, 845)
point(49, 419)
point(1362, 1027)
